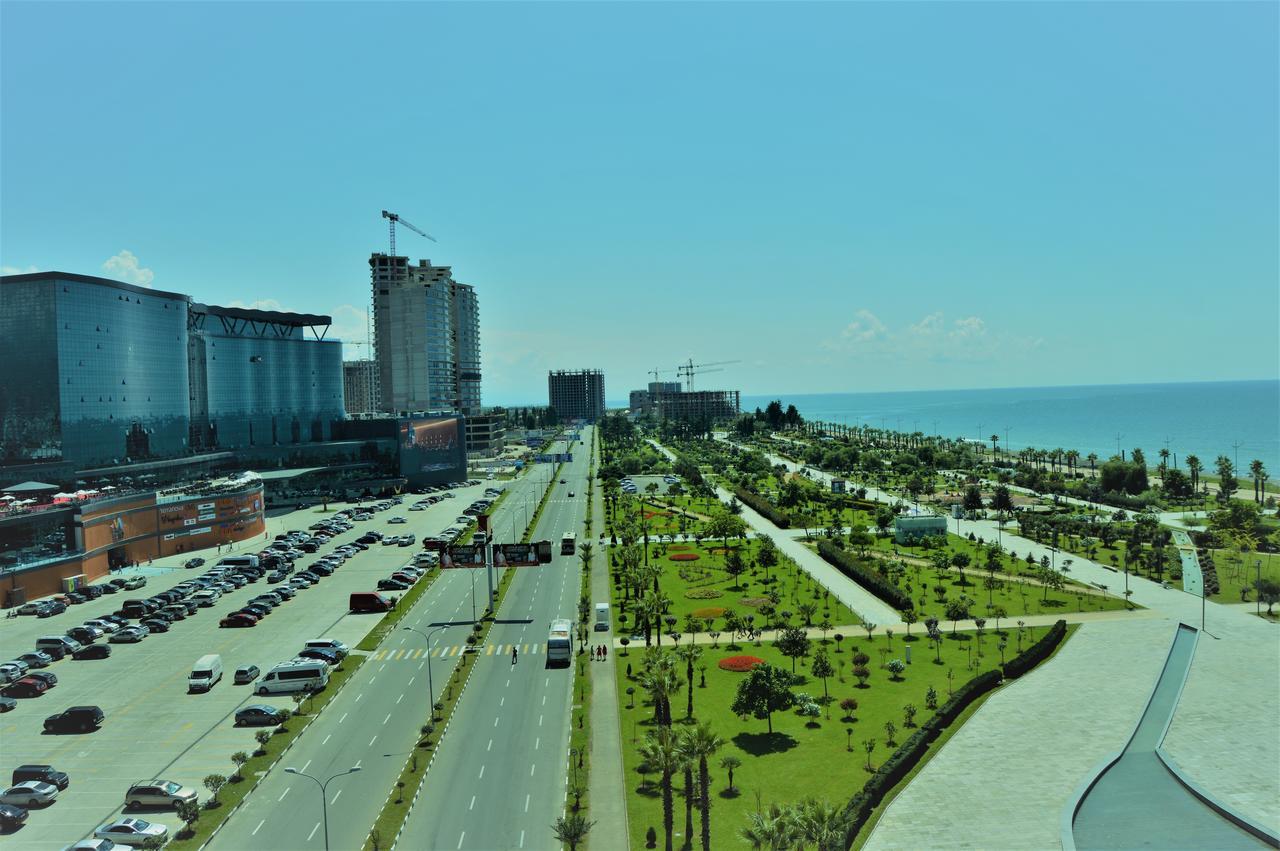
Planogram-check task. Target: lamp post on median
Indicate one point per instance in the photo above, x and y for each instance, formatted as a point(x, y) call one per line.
point(324, 796)
point(431, 689)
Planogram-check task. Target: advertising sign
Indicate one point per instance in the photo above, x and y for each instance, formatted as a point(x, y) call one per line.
point(516, 555)
point(430, 445)
point(471, 555)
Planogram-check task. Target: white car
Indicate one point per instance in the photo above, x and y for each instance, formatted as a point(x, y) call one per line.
point(397, 520)
point(30, 794)
point(102, 625)
point(206, 598)
point(92, 845)
point(131, 831)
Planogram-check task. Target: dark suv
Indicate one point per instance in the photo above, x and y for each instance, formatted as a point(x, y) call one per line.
point(79, 718)
point(42, 773)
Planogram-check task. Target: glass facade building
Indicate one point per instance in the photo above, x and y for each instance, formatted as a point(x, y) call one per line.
point(98, 373)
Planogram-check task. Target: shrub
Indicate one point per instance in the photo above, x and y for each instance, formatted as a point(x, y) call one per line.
point(708, 613)
point(865, 575)
point(684, 557)
point(1036, 653)
point(754, 602)
point(703, 593)
point(740, 664)
point(762, 507)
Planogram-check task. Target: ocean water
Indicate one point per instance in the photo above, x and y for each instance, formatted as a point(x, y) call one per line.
point(1204, 419)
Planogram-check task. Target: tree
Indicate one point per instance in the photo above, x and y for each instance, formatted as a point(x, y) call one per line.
point(1268, 592)
point(869, 745)
point(884, 519)
point(729, 763)
point(766, 555)
point(960, 561)
point(700, 745)
point(661, 753)
point(821, 824)
point(262, 737)
point(1227, 482)
point(584, 553)
point(571, 830)
point(1259, 474)
point(1195, 467)
point(822, 669)
point(771, 830)
point(861, 540)
point(765, 691)
point(793, 643)
point(896, 667)
point(689, 654)
point(660, 679)
point(909, 715)
point(807, 611)
point(734, 566)
point(214, 783)
point(1001, 500)
point(850, 706)
point(972, 498)
point(239, 758)
point(890, 729)
point(957, 610)
point(189, 812)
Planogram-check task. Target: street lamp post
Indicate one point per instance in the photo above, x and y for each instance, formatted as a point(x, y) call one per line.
point(324, 796)
point(431, 688)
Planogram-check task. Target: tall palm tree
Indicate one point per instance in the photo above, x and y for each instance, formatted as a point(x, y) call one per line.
point(662, 603)
point(1259, 473)
point(700, 745)
point(1164, 462)
point(820, 823)
point(660, 679)
point(1194, 467)
point(687, 764)
point(689, 654)
point(771, 830)
point(660, 753)
point(584, 553)
point(1092, 458)
point(1073, 458)
point(995, 439)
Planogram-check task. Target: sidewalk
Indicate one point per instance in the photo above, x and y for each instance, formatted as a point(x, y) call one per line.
point(608, 790)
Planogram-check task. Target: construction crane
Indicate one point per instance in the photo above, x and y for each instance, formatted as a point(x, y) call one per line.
point(393, 218)
point(691, 369)
point(656, 372)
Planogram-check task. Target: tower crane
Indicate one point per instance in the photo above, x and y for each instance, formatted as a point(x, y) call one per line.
point(656, 372)
point(691, 369)
point(395, 217)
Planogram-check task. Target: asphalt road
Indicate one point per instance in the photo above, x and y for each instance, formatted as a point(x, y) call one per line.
point(374, 722)
point(499, 779)
point(153, 728)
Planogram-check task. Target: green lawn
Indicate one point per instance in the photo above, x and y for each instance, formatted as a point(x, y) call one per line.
point(802, 757)
point(715, 590)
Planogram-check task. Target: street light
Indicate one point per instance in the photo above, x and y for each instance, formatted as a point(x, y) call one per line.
point(431, 689)
point(324, 797)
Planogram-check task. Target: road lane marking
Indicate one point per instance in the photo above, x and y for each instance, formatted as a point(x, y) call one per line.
point(400, 698)
point(464, 833)
point(282, 794)
point(495, 720)
point(490, 747)
point(335, 798)
point(411, 679)
point(473, 803)
point(388, 718)
point(313, 831)
point(537, 742)
point(539, 720)
point(358, 696)
point(526, 804)
point(344, 717)
point(306, 765)
point(481, 777)
point(531, 768)
point(371, 741)
point(544, 700)
point(522, 839)
point(502, 702)
point(357, 765)
point(258, 828)
point(326, 740)
point(372, 679)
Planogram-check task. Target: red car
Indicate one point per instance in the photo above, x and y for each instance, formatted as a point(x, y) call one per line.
point(238, 619)
point(27, 687)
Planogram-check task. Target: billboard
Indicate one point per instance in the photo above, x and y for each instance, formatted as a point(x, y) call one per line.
point(432, 449)
point(470, 555)
point(515, 555)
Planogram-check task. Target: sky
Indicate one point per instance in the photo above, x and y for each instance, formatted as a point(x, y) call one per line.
point(836, 196)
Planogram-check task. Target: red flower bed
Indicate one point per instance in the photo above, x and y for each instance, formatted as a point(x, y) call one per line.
point(678, 547)
point(649, 515)
point(740, 664)
point(684, 557)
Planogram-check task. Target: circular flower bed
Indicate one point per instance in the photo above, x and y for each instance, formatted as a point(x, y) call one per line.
point(703, 593)
point(740, 664)
point(709, 613)
point(684, 557)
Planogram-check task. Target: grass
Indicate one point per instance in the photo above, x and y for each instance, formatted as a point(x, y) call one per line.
point(802, 757)
point(707, 576)
point(260, 761)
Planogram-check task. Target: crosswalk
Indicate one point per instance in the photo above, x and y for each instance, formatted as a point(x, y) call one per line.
point(454, 650)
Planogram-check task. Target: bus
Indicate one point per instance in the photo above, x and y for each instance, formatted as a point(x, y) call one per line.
point(560, 642)
point(567, 544)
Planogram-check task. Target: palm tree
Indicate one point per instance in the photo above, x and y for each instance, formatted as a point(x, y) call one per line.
point(572, 830)
point(1164, 462)
point(584, 553)
point(821, 824)
point(700, 744)
point(1259, 473)
point(661, 754)
point(687, 764)
point(660, 679)
point(1072, 458)
point(995, 439)
point(689, 654)
point(647, 610)
point(771, 830)
point(1194, 467)
point(1092, 458)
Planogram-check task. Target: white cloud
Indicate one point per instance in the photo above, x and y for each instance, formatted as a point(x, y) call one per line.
point(864, 328)
point(17, 270)
point(968, 328)
point(259, 304)
point(350, 325)
point(124, 266)
point(928, 326)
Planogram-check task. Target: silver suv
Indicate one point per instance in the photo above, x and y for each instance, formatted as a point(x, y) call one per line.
point(158, 793)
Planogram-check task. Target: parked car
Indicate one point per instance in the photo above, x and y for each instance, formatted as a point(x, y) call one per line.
point(83, 634)
point(12, 817)
point(194, 562)
point(7, 703)
point(129, 635)
point(246, 674)
point(15, 669)
point(49, 678)
point(158, 793)
point(27, 687)
point(42, 773)
point(103, 624)
point(329, 657)
point(81, 718)
point(93, 651)
point(156, 624)
point(30, 793)
point(254, 609)
point(392, 585)
point(132, 831)
point(238, 619)
point(260, 714)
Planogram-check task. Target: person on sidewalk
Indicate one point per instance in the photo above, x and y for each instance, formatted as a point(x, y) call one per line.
point(604, 652)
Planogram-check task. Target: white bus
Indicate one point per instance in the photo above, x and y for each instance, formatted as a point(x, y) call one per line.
point(560, 642)
point(567, 544)
point(298, 675)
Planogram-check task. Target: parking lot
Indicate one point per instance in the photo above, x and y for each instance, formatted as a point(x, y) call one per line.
point(153, 727)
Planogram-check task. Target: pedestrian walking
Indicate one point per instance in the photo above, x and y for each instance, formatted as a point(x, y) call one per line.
point(604, 652)
point(513, 654)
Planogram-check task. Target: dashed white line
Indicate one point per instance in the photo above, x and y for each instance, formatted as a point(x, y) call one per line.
point(522, 839)
point(473, 803)
point(306, 765)
point(371, 741)
point(526, 803)
point(358, 696)
point(326, 739)
point(531, 768)
point(539, 720)
point(481, 777)
point(258, 828)
point(495, 720)
point(388, 718)
point(411, 679)
point(400, 698)
point(313, 831)
point(464, 833)
point(490, 747)
point(502, 702)
point(282, 794)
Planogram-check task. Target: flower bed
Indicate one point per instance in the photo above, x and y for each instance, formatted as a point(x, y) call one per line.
point(708, 613)
point(753, 602)
point(703, 593)
point(684, 557)
point(740, 664)
point(678, 547)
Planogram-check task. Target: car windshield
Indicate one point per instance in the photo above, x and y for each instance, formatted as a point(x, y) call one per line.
point(171, 788)
point(139, 824)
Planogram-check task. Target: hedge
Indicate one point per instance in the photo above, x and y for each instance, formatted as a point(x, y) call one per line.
point(869, 578)
point(762, 507)
point(1036, 653)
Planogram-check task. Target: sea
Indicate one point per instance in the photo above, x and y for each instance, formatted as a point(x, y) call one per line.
point(1239, 419)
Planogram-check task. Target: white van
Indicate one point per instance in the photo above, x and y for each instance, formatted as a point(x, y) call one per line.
point(298, 675)
point(602, 617)
point(205, 673)
point(64, 643)
point(239, 561)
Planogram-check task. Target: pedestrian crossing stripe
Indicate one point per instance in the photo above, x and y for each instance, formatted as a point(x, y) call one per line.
point(453, 650)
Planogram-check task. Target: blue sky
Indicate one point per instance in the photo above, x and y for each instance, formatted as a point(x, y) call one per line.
point(840, 196)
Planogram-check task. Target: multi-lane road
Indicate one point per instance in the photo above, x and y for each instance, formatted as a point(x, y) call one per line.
point(374, 722)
